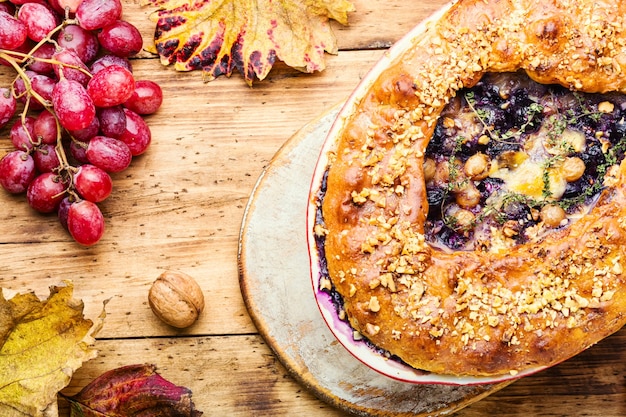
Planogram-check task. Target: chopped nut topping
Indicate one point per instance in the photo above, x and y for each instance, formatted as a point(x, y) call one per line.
point(352, 290)
point(320, 231)
point(374, 305)
point(371, 329)
point(325, 284)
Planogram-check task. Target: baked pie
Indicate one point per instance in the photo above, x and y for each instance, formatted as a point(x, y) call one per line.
point(472, 216)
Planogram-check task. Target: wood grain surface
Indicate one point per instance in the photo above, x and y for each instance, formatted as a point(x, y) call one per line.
point(180, 206)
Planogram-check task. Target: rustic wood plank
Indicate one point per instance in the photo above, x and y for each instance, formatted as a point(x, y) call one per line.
point(396, 18)
point(239, 376)
point(229, 376)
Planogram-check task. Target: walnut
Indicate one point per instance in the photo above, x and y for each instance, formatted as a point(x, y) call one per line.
point(176, 298)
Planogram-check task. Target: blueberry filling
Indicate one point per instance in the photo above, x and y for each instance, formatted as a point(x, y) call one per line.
point(511, 158)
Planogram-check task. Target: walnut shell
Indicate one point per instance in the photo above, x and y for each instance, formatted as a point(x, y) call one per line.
point(176, 299)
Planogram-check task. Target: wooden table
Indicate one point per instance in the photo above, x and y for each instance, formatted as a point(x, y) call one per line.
point(180, 206)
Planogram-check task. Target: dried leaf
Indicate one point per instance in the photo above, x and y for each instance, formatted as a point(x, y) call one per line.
point(132, 391)
point(42, 343)
point(220, 35)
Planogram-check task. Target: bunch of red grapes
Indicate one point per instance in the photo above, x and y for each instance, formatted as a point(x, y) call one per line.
point(81, 110)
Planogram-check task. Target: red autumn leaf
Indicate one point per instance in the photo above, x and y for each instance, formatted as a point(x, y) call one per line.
point(218, 36)
point(130, 391)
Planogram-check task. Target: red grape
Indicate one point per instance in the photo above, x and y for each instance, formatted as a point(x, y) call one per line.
point(78, 150)
point(43, 86)
point(68, 59)
point(85, 222)
point(45, 192)
point(112, 121)
point(111, 86)
point(137, 134)
point(72, 105)
point(92, 183)
point(22, 133)
point(121, 38)
point(109, 154)
point(77, 39)
point(40, 84)
point(17, 171)
point(39, 20)
point(63, 210)
point(45, 128)
point(146, 99)
point(46, 158)
point(7, 8)
point(44, 52)
point(19, 85)
point(21, 2)
point(108, 60)
point(24, 48)
point(88, 132)
point(8, 104)
point(61, 5)
point(13, 32)
point(96, 14)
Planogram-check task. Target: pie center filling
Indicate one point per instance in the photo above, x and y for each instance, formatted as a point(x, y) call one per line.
point(511, 159)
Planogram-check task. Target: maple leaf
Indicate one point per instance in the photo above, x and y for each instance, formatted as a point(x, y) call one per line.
point(42, 343)
point(218, 36)
point(133, 391)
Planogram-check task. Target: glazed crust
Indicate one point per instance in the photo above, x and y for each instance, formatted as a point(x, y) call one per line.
point(474, 313)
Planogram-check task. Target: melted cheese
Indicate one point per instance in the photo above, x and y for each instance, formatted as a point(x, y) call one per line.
point(526, 171)
point(527, 179)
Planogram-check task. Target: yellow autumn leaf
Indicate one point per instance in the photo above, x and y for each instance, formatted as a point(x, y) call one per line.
point(218, 36)
point(42, 343)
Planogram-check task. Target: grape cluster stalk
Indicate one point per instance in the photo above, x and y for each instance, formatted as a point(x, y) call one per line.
point(74, 111)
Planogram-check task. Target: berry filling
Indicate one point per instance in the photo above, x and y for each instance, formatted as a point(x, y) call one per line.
point(511, 159)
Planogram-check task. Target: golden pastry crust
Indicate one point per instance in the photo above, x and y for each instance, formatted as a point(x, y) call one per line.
point(474, 313)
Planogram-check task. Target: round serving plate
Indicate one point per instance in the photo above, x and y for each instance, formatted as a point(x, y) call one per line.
point(276, 286)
